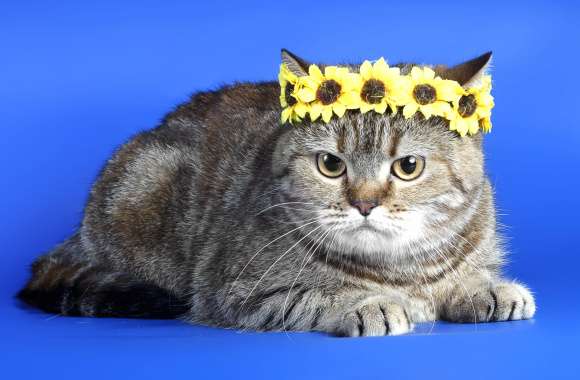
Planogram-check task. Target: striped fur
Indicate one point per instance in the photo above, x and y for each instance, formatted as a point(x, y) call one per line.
point(219, 216)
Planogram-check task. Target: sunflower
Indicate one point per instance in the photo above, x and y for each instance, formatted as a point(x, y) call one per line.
point(328, 93)
point(473, 109)
point(378, 86)
point(293, 109)
point(428, 94)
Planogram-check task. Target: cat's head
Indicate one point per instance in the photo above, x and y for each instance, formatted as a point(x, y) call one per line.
point(379, 184)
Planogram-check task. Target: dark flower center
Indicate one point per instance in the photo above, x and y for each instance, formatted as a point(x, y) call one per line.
point(467, 105)
point(288, 94)
point(373, 91)
point(424, 94)
point(328, 92)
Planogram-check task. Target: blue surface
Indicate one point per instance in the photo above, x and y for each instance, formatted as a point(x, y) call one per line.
point(78, 80)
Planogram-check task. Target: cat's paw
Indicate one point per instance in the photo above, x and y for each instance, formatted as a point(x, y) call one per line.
point(376, 316)
point(505, 301)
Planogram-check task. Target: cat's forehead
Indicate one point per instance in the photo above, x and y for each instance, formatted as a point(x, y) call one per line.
point(388, 135)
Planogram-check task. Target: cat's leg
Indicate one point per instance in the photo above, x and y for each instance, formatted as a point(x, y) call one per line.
point(485, 300)
point(67, 282)
point(343, 312)
point(96, 291)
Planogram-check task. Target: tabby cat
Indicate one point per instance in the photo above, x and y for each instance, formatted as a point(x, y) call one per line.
point(224, 217)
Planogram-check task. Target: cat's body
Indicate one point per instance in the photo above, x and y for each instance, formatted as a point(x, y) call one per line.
point(217, 217)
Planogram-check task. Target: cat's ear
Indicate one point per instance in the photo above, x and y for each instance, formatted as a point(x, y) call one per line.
point(468, 73)
point(295, 64)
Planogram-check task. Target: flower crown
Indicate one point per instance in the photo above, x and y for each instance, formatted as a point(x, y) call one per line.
point(376, 87)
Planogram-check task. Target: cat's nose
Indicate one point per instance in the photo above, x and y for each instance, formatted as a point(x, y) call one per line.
point(365, 206)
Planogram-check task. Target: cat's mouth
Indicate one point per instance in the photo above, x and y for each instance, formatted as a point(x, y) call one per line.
point(368, 226)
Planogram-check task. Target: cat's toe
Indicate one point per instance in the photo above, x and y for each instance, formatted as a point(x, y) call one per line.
point(513, 302)
point(506, 301)
point(377, 317)
point(529, 309)
point(473, 307)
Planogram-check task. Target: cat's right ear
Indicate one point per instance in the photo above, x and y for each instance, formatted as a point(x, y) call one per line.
point(295, 64)
point(468, 73)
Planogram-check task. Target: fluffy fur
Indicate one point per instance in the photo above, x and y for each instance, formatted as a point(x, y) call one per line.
point(219, 216)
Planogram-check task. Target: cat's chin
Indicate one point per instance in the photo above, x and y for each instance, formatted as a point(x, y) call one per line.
point(368, 239)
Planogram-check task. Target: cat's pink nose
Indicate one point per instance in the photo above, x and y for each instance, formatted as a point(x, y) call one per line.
point(364, 206)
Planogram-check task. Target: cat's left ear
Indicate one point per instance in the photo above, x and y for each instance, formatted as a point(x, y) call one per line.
point(468, 73)
point(295, 64)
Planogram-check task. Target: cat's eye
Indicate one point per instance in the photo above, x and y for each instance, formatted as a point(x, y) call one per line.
point(408, 168)
point(330, 165)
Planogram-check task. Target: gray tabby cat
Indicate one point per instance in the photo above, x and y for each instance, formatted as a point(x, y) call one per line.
point(223, 217)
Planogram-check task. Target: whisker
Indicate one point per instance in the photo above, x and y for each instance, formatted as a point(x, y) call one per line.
point(307, 258)
point(274, 263)
point(264, 247)
point(429, 290)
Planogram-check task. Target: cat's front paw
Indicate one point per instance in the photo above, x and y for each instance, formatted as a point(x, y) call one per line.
point(505, 301)
point(376, 316)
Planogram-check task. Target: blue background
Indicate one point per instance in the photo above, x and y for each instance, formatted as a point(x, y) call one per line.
point(76, 80)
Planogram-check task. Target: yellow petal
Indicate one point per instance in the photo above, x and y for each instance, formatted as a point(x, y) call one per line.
point(366, 69)
point(309, 82)
point(485, 124)
point(409, 110)
point(326, 113)
point(315, 73)
point(315, 111)
point(461, 127)
point(301, 109)
point(486, 83)
point(453, 124)
point(449, 90)
point(485, 100)
point(428, 73)
point(483, 112)
point(350, 81)
point(472, 125)
point(306, 95)
point(286, 74)
point(341, 71)
point(381, 108)
point(394, 71)
point(350, 99)
point(426, 110)
point(331, 72)
point(416, 73)
point(380, 67)
point(286, 115)
point(402, 92)
point(365, 107)
point(439, 109)
point(339, 109)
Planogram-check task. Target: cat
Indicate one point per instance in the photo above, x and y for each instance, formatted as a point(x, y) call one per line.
point(222, 216)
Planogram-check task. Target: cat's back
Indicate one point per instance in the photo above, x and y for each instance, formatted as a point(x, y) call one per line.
point(231, 132)
point(148, 195)
point(245, 107)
